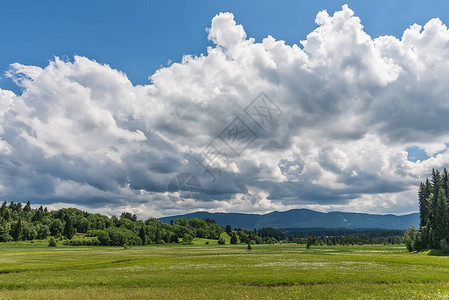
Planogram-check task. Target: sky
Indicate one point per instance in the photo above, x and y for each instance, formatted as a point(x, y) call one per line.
point(169, 107)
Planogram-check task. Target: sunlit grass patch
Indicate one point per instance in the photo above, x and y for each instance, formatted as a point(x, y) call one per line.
point(201, 271)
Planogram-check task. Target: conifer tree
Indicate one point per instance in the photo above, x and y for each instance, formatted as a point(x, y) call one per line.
point(17, 231)
point(68, 228)
point(434, 211)
point(27, 207)
point(424, 211)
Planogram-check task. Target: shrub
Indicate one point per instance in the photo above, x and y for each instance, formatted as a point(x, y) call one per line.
point(94, 232)
point(83, 242)
point(103, 237)
point(5, 237)
point(187, 239)
point(221, 241)
point(52, 242)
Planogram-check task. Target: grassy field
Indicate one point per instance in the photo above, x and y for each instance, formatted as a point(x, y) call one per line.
point(33, 270)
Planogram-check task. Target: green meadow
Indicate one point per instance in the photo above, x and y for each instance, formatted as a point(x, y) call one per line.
point(200, 271)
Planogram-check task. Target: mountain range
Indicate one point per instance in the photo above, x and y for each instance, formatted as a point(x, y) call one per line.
point(306, 218)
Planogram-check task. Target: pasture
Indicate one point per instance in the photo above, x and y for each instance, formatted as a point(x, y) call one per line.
point(199, 271)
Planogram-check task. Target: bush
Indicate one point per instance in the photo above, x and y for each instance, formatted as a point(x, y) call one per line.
point(94, 232)
point(52, 242)
point(221, 241)
point(83, 242)
point(187, 239)
point(103, 237)
point(5, 237)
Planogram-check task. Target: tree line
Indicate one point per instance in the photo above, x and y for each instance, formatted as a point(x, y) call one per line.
point(20, 222)
point(79, 228)
point(433, 232)
point(344, 236)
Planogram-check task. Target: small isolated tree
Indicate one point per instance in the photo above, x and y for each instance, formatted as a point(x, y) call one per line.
point(221, 241)
point(310, 241)
point(249, 246)
point(410, 238)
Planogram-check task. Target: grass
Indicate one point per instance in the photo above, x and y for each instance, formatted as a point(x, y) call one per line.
point(199, 271)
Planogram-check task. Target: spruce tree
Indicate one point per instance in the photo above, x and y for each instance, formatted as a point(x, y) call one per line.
point(17, 231)
point(68, 228)
point(423, 209)
point(3, 208)
point(445, 180)
point(27, 207)
point(436, 185)
point(441, 222)
point(434, 211)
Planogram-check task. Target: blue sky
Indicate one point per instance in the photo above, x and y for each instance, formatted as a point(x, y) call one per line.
point(364, 101)
point(137, 37)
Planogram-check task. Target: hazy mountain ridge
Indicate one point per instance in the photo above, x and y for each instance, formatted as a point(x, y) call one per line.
point(306, 218)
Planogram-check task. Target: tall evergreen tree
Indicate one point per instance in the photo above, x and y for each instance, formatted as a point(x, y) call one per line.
point(423, 209)
point(69, 231)
point(3, 208)
point(434, 211)
point(441, 221)
point(27, 207)
point(17, 230)
point(445, 180)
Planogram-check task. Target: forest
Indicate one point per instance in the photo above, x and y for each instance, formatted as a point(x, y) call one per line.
point(21, 222)
point(78, 228)
point(433, 232)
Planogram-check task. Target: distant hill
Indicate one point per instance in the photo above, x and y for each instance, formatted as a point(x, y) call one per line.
point(306, 218)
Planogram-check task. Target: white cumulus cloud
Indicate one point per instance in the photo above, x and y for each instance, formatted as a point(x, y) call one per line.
point(349, 106)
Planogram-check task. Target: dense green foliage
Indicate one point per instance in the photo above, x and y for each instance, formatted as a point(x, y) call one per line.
point(79, 228)
point(349, 237)
point(19, 222)
point(433, 196)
